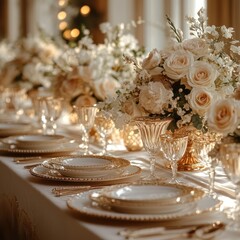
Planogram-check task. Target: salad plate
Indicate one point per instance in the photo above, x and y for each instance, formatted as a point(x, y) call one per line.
point(82, 204)
point(129, 173)
point(90, 162)
point(87, 166)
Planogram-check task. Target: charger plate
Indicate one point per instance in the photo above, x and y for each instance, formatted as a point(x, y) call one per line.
point(130, 172)
point(82, 204)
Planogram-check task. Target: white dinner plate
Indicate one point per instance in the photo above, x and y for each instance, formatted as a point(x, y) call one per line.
point(130, 172)
point(156, 197)
point(82, 204)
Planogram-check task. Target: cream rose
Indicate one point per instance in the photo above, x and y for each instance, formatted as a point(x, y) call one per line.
point(201, 74)
point(200, 100)
point(197, 46)
point(178, 63)
point(154, 97)
point(71, 88)
point(152, 60)
point(85, 100)
point(223, 116)
point(131, 108)
point(106, 87)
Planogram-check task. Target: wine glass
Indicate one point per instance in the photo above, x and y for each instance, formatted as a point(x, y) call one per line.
point(86, 117)
point(49, 111)
point(204, 147)
point(230, 160)
point(104, 125)
point(151, 129)
point(173, 147)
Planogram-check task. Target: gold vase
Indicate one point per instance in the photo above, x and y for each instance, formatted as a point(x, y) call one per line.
point(190, 161)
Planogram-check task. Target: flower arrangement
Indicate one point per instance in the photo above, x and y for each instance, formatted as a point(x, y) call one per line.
point(182, 80)
point(31, 64)
point(90, 72)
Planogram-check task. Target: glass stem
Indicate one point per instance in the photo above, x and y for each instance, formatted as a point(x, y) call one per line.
point(87, 143)
point(152, 166)
point(174, 170)
point(211, 179)
point(104, 144)
point(237, 208)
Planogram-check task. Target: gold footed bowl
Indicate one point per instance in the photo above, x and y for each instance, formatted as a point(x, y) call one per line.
point(189, 161)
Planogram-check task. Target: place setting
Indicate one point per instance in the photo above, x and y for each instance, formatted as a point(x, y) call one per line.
point(87, 169)
point(143, 201)
point(38, 144)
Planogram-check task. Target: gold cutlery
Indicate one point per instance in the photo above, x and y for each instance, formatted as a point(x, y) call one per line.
point(28, 159)
point(63, 191)
point(29, 166)
point(202, 231)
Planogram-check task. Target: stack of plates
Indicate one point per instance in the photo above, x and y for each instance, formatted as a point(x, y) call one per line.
point(10, 129)
point(36, 143)
point(148, 198)
point(87, 166)
point(39, 141)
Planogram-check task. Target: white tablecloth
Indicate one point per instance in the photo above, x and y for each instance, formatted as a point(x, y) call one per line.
point(29, 209)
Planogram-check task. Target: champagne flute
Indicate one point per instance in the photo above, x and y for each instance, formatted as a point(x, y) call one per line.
point(86, 117)
point(173, 147)
point(104, 125)
point(230, 160)
point(151, 129)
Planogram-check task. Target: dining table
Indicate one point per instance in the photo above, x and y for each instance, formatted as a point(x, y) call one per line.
point(30, 209)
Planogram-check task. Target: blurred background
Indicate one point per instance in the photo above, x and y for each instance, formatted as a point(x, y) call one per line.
point(65, 18)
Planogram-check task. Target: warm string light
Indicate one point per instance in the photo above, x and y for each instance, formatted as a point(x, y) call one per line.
point(69, 34)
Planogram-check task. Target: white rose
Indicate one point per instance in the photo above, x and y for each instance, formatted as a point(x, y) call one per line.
point(201, 74)
point(223, 116)
point(152, 60)
point(106, 87)
point(85, 100)
point(197, 46)
point(154, 97)
point(200, 100)
point(178, 63)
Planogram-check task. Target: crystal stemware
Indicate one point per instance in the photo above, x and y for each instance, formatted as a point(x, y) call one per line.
point(151, 129)
point(49, 111)
point(104, 125)
point(204, 147)
point(86, 117)
point(173, 147)
point(230, 160)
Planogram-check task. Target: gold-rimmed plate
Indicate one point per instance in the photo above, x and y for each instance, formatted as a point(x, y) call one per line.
point(130, 173)
point(156, 197)
point(87, 166)
point(82, 204)
point(89, 162)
